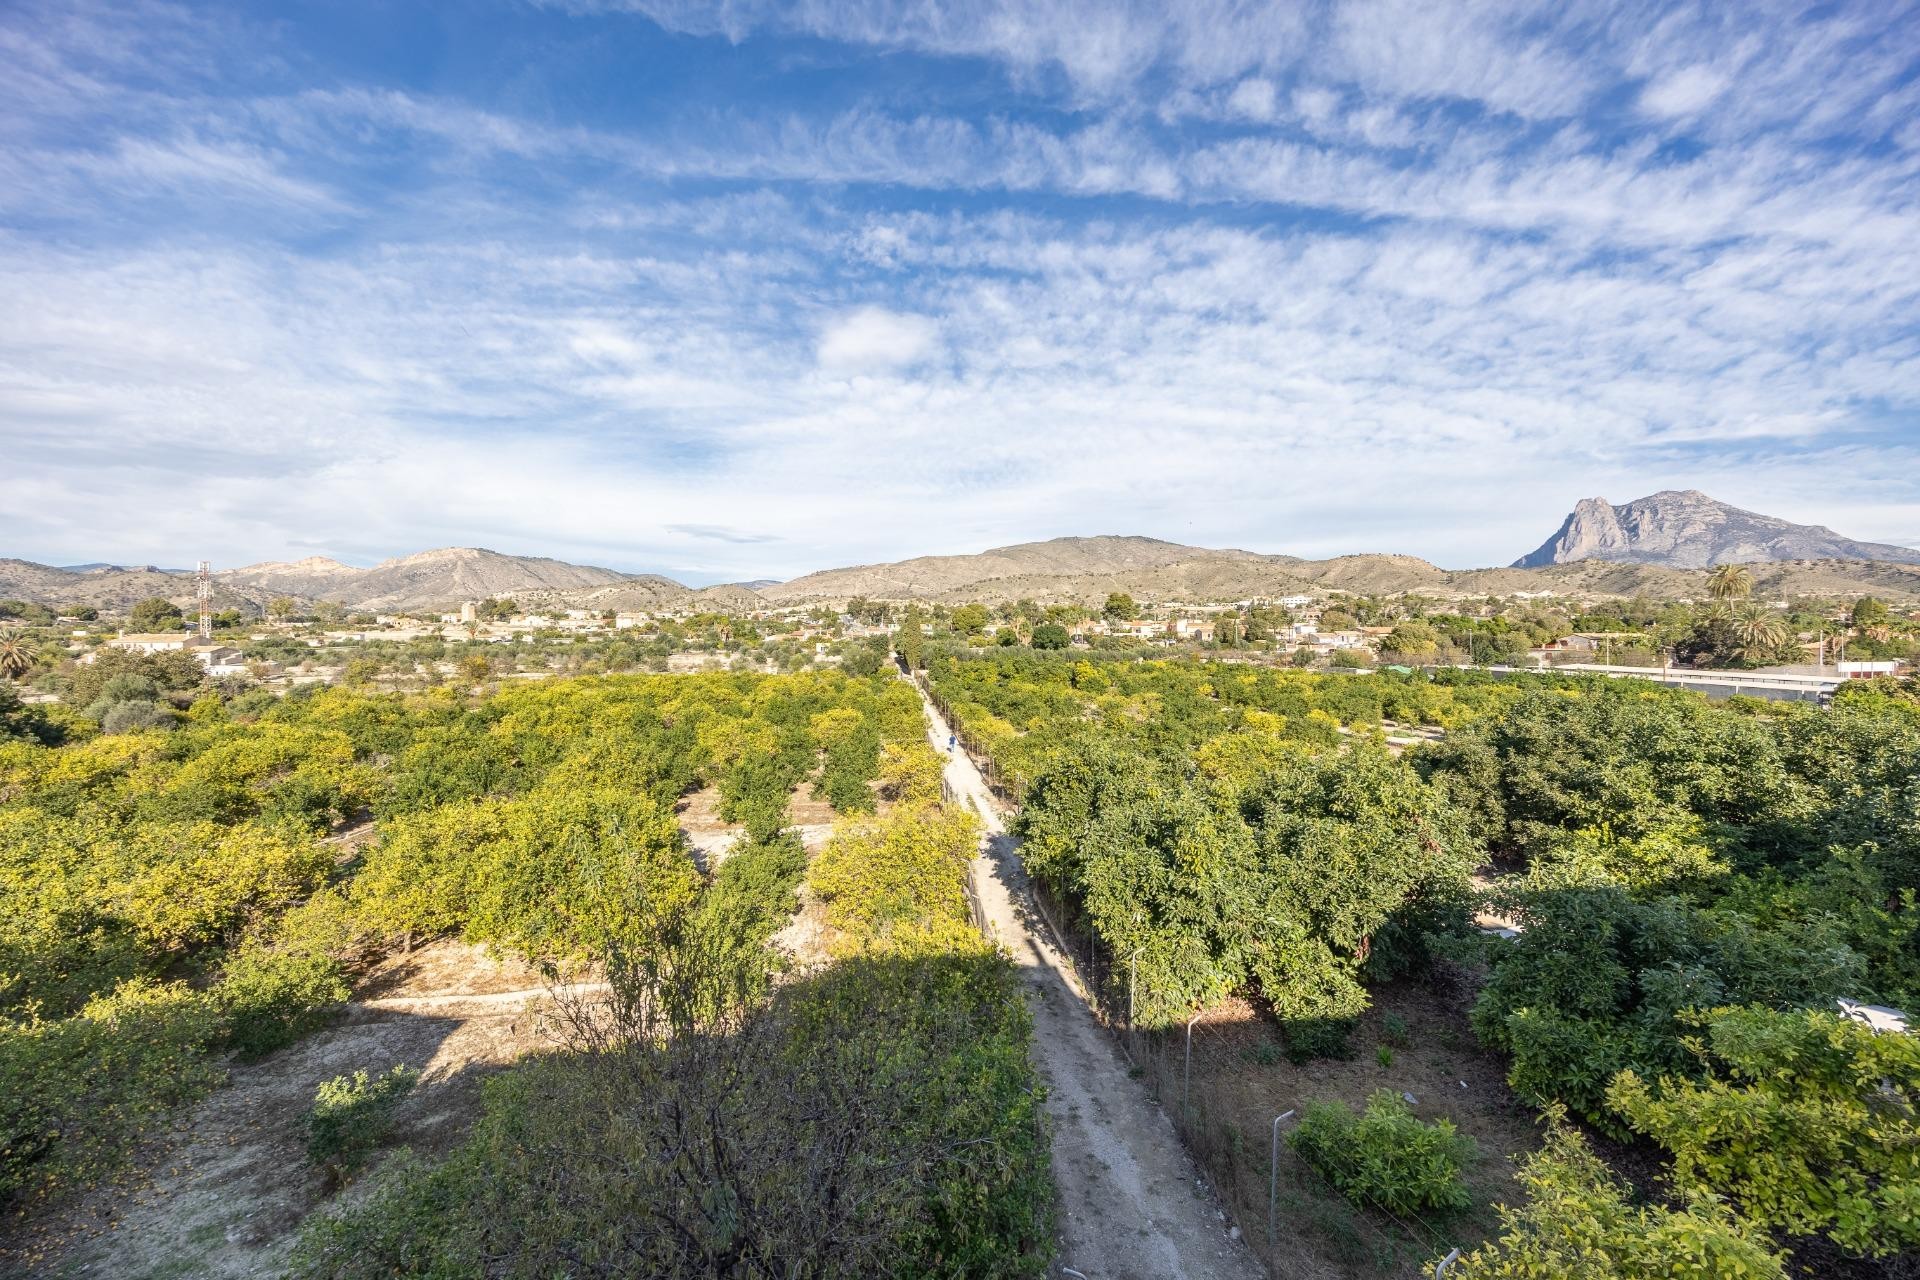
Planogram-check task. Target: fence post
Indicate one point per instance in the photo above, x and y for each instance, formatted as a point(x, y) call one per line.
point(1186, 1083)
point(1273, 1176)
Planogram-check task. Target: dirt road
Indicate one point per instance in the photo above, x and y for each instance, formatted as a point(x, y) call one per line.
point(1132, 1206)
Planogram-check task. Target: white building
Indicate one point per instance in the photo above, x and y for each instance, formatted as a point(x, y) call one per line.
point(219, 660)
point(151, 642)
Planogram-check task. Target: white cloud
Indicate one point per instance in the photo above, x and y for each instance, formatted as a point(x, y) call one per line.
point(1683, 92)
point(1357, 296)
point(873, 338)
point(1253, 98)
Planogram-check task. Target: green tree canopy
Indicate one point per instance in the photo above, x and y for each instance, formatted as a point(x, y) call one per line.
point(1051, 635)
point(969, 618)
point(154, 614)
point(1806, 1121)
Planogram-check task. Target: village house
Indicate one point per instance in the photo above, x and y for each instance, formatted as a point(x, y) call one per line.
point(1198, 629)
point(152, 642)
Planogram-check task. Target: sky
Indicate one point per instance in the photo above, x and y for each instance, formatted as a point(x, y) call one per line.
point(742, 289)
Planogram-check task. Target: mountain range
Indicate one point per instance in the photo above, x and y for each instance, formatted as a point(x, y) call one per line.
point(1659, 545)
point(1685, 529)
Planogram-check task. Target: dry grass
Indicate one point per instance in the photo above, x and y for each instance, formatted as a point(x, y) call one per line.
point(1242, 1080)
point(221, 1194)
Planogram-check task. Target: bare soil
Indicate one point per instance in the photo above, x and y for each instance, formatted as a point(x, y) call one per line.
point(806, 809)
point(221, 1195)
point(1242, 1081)
point(1132, 1205)
point(712, 838)
point(806, 936)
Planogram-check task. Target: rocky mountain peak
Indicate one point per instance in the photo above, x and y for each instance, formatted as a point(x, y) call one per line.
point(1686, 529)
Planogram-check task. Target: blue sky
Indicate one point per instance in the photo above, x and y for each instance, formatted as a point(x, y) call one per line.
point(741, 290)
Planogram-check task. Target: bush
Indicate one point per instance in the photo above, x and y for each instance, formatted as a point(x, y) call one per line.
point(880, 1118)
point(1595, 984)
point(1806, 1121)
point(1386, 1156)
point(351, 1114)
point(273, 997)
point(75, 1094)
point(1576, 1222)
point(752, 897)
point(134, 717)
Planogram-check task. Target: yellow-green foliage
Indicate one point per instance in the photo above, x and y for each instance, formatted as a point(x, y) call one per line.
point(351, 1114)
point(878, 1117)
point(1018, 705)
point(75, 1092)
point(1806, 1121)
point(899, 880)
point(1576, 1221)
point(910, 773)
point(1386, 1156)
point(539, 819)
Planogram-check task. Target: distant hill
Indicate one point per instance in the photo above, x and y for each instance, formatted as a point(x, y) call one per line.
point(938, 577)
point(427, 580)
point(1086, 570)
point(1078, 570)
point(112, 587)
point(1685, 529)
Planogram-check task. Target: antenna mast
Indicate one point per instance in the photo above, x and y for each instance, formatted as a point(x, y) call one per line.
point(206, 600)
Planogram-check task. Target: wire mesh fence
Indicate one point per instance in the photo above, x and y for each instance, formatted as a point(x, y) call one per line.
point(1007, 786)
point(1294, 1220)
point(1204, 1074)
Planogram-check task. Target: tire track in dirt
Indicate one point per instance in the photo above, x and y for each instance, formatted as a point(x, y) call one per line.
point(1132, 1206)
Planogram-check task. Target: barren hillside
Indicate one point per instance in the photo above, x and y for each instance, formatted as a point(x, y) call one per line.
point(935, 577)
point(430, 579)
point(1686, 529)
point(115, 588)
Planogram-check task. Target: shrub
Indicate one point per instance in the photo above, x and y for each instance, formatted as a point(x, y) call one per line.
point(902, 1084)
point(351, 1114)
point(1576, 1222)
point(752, 897)
point(133, 717)
point(1595, 984)
point(1806, 1121)
point(1386, 1156)
point(273, 997)
point(76, 1093)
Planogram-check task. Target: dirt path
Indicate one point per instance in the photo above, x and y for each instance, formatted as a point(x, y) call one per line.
point(221, 1194)
point(1132, 1205)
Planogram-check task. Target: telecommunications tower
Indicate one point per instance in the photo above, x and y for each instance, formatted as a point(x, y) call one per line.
point(206, 600)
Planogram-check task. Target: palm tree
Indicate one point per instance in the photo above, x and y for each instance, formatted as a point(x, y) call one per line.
point(472, 627)
point(1730, 582)
point(1759, 631)
point(17, 653)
